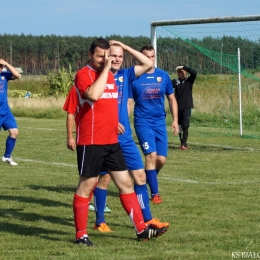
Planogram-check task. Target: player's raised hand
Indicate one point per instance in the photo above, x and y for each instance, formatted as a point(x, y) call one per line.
point(108, 60)
point(2, 62)
point(179, 68)
point(113, 42)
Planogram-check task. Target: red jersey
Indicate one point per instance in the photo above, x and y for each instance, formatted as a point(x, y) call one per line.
point(98, 121)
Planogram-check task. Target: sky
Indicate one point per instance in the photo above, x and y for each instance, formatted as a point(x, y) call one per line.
point(104, 18)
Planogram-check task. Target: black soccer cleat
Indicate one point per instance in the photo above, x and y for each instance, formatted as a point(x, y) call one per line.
point(84, 241)
point(151, 232)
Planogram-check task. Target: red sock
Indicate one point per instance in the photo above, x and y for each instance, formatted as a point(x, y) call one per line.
point(92, 192)
point(133, 210)
point(80, 209)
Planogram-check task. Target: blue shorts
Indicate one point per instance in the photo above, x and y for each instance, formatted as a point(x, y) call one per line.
point(131, 153)
point(7, 121)
point(153, 139)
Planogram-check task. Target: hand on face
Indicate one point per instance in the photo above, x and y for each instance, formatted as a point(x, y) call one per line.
point(108, 59)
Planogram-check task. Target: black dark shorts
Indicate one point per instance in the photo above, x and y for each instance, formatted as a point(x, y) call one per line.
point(95, 158)
point(184, 116)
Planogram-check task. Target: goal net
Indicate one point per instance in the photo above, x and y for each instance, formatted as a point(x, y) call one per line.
point(226, 54)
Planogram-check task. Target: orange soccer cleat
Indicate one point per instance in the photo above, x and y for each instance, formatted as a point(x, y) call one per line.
point(155, 222)
point(156, 199)
point(103, 227)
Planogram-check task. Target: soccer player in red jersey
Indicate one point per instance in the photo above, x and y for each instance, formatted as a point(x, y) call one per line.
point(71, 106)
point(97, 143)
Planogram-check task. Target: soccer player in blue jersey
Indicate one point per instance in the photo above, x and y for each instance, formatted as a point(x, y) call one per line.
point(148, 92)
point(133, 158)
point(7, 120)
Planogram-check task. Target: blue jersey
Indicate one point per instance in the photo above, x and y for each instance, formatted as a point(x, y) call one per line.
point(148, 92)
point(5, 76)
point(123, 78)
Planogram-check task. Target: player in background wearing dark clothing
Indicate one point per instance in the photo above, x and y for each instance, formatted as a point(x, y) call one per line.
point(183, 92)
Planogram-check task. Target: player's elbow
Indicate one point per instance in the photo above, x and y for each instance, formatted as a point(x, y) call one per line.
point(16, 76)
point(91, 96)
point(94, 99)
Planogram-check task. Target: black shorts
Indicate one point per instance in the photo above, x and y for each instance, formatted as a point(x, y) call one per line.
point(184, 116)
point(95, 158)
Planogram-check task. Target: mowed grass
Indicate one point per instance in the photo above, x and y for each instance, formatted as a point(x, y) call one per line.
point(210, 197)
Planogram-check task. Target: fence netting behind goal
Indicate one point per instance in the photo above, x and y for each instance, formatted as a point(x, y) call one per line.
point(212, 49)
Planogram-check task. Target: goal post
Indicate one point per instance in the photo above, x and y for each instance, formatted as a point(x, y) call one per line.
point(226, 52)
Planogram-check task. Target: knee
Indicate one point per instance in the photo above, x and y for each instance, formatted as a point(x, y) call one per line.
point(85, 186)
point(185, 128)
point(103, 181)
point(161, 159)
point(139, 176)
point(126, 186)
point(150, 158)
point(13, 132)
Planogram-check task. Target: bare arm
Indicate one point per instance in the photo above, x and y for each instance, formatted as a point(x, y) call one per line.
point(174, 111)
point(129, 106)
point(71, 144)
point(144, 63)
point(15, 73)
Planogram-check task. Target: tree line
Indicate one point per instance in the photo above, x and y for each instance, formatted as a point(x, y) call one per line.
point(42, 54)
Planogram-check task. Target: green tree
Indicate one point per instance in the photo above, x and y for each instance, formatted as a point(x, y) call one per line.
point(60, 81)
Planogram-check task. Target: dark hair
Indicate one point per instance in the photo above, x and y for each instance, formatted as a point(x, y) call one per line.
point(147, 47)
point(99, 42)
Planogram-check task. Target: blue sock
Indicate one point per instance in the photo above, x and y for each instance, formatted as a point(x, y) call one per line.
point(152, 181)
point(10, 143)
point(143, 199)
point(100, 197)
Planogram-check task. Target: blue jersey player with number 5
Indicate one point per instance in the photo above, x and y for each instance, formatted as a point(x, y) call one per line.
point(148, 92)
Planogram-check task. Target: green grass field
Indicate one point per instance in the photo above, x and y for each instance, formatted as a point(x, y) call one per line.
point(210, 197)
